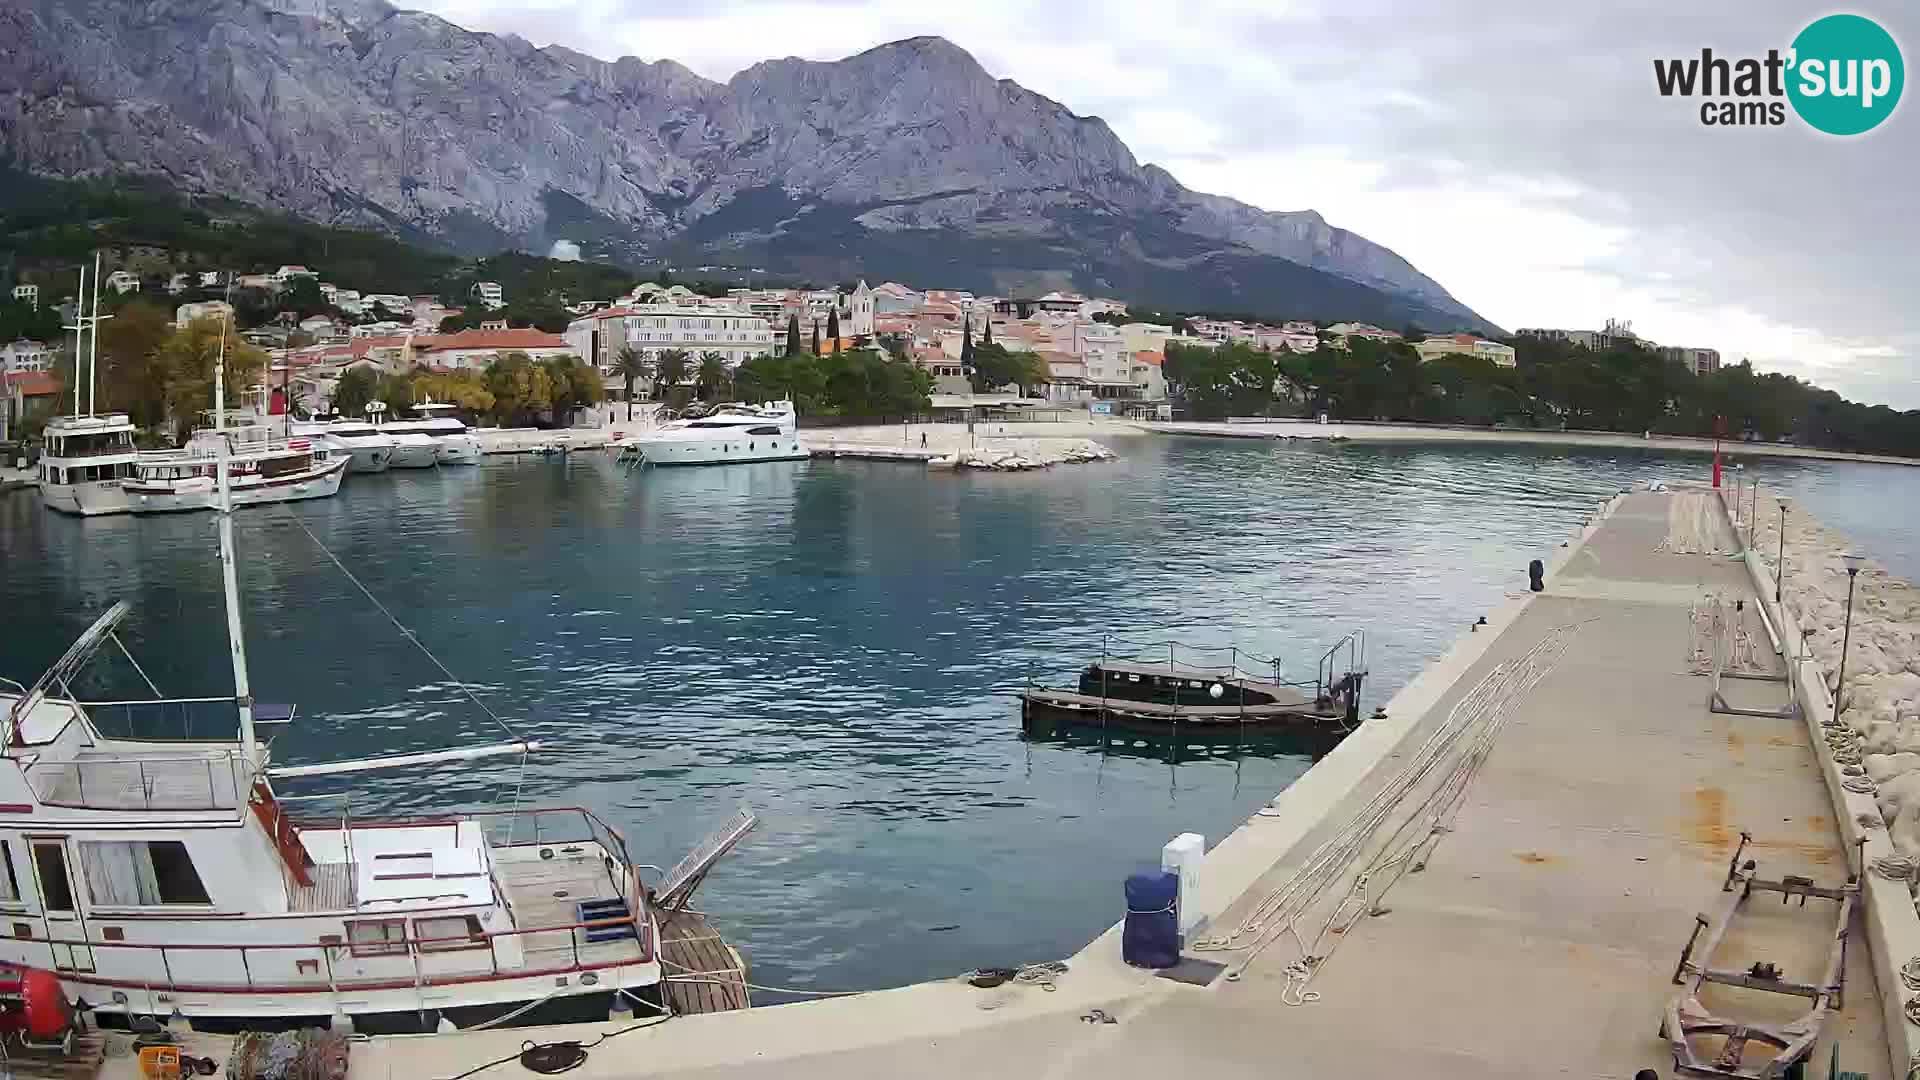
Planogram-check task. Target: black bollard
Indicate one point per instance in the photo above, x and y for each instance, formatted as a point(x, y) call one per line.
point(1537, 572)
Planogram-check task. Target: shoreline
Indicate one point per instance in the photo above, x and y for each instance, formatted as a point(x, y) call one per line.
point(1368, 431)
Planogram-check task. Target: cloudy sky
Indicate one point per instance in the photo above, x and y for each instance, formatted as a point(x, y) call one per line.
point(1515, 151)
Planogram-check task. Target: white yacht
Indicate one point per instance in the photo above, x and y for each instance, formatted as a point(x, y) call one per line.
point(453, 442)
point(261, 469)
point(162, 875)
point(85, 463)
point(369, 450)
point(727, 435)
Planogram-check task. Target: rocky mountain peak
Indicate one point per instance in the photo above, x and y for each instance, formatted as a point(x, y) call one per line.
point(383, 117)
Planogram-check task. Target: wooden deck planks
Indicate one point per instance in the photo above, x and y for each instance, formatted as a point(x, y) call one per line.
point(703, 974)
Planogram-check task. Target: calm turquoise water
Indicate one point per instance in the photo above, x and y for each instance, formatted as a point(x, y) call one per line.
point(836, 644)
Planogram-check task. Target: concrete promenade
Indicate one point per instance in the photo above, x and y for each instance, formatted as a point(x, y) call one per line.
point(1537, 941)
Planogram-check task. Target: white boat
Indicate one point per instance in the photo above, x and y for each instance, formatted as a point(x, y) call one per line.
point(454, 442)
point(412, 451)
point(260, 468)
point(86, 461)
point(730, 434)
point(165, 876)
point(369, 449)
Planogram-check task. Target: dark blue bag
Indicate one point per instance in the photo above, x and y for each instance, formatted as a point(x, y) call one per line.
point(1151, 936)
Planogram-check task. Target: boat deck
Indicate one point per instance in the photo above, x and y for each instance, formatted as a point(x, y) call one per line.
point(546, 893)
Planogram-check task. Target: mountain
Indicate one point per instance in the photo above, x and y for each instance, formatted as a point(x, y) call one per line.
point(906, 161)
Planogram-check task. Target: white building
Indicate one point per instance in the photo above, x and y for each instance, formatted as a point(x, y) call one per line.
point(859, 318)
point(210, 279)
point(24, 355)
point(733, 332)
point(348, 301)
point(123, 282)
point(179, 283)
point(488, 293)
point(28, 295)
point(395, 303)
point(202, 309)
point(287, 273)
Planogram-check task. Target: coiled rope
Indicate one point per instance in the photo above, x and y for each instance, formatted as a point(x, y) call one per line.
point(1895, 868)
point(1370, 852)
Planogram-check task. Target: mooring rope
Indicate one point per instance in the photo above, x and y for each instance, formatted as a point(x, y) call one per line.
point(398, 625)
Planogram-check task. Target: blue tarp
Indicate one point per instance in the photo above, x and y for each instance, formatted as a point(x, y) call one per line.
point(1151, 936)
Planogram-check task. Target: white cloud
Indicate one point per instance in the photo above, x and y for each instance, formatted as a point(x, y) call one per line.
point(565, 251)
point(1517, 153)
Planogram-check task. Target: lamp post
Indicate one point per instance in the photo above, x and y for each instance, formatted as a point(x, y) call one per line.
point(1780, 562)
point(1753, 511)
point(1852, 562)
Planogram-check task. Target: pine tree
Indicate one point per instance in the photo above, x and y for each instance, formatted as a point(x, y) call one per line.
point(793, 335)
point(833, 327)
point(816, 337)
point(966, 344)
point(986, 331)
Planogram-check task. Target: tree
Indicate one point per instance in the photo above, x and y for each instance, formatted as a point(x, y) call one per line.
point(631, 365)
point(465, 390)
point(816, 337)
point(574, 384)
point(397, 392)
point(986, 331)
point(966, 346)
point(994, 367)
point(521, 389)
point(833, 326)
point(670, 369)
point(130, 379)
point(355, 388)
point(186, 360)
point(793, 335)
point(713, 375)
point(19, 319)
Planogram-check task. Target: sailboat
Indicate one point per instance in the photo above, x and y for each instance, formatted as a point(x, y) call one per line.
point(167, 876)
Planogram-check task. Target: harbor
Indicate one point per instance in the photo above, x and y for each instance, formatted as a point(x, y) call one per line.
point(1622, 585)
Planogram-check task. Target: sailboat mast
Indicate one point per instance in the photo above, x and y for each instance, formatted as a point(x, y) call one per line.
point(236, 638)
point(93, 363)
point(79, 335)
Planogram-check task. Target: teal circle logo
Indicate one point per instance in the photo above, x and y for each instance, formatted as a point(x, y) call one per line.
point(1846, 74)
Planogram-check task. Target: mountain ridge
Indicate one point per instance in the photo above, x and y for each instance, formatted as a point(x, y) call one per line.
point(376, 116)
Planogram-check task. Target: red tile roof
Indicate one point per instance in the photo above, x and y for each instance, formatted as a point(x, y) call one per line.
point(526, 338)
point(1150, 356)
point(33, 383)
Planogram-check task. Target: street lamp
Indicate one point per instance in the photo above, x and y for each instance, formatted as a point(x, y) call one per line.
point(1753, 511)
point(1853, 563)
point(1780, 562)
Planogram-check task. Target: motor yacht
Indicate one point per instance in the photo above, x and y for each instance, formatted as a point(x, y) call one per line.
point(85, 463)
point(730, 434)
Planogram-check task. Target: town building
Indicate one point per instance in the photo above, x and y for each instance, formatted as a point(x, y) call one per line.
point(1465, 345)
point(28, 294)
point(1615, 334)
point(202, 309)
point(25, 395)
point(25, 355)
point(1696, 361)
point(733, 332)
point(488, 293)
point(123, 282)
point(475, 349)
point(286, 274)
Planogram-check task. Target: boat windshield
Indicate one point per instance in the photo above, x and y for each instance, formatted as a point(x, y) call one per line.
point(90, 444)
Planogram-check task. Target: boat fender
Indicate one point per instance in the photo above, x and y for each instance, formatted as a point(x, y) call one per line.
point(1536, 572)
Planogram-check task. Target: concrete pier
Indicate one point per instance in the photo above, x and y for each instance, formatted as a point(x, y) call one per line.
point(1537, 940)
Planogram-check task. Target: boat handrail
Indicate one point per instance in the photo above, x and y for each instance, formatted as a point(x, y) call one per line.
point(146, 782)
point(417, 950)
point(595, 825)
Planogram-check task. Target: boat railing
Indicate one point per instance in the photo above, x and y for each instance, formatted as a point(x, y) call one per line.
point(510, 828)
point(1184, 659)
point(203, 719)
point(214, 780)
point(334, 963)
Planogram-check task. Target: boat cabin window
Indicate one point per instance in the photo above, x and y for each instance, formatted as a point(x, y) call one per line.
point(50, 863)
point(377, 937)
point(449, 932)
point(730, 424)
point(763, 431)
point(9, 880)
point(140, 873)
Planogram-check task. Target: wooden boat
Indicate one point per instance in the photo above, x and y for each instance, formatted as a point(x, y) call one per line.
point(1170, 694)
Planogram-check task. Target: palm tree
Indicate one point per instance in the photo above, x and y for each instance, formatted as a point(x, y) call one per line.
point(631, 365)
point(670, 369)
point(713, 375)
